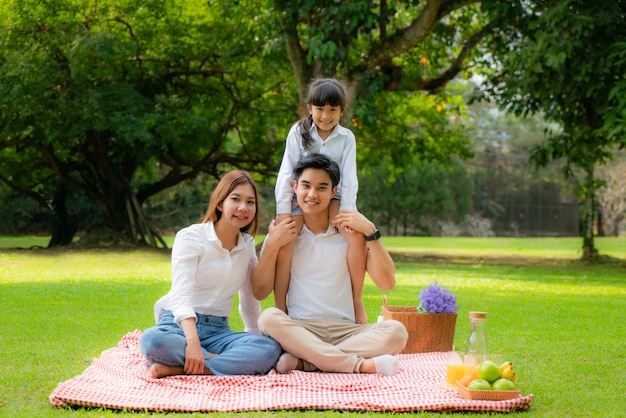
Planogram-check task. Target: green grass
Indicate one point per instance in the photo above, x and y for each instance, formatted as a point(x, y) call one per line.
point(562, 322)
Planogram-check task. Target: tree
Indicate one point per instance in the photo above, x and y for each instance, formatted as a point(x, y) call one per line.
point(516, 199)
point(120, 100)
point(611, 195)
point(415, 198)
point(392, 55)
point(556, 58)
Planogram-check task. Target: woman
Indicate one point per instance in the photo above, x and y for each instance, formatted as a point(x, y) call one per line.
point(211, 262)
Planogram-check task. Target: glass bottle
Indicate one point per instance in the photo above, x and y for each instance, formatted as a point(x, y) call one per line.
point(477, 341)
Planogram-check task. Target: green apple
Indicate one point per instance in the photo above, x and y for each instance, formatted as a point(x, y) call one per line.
point(479, 384)
point(504, 384)
point(489, 371)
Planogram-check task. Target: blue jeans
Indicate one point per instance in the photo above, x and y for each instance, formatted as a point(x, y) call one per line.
point(238, 353)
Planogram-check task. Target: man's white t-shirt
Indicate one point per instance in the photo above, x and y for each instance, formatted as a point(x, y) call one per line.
point(320, 285)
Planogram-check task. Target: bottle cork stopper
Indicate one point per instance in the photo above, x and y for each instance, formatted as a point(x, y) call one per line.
point(475, 314)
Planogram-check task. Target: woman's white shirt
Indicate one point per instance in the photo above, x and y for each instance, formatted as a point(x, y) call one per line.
point(206, 276)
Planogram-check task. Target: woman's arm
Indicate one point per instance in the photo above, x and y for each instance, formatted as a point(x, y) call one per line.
point(264, 274)
point(194, 357)
point(249, 306)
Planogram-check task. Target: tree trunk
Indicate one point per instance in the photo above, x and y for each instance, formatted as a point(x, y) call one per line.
point(124, 220)
point(589, 250)
point(63, 226)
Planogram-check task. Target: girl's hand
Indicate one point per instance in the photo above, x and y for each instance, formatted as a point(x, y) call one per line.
point(354, 221)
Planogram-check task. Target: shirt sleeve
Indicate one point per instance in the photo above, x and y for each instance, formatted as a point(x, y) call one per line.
point(349, 184)
point(249, 306)
point(284, 188)
point(185, 257)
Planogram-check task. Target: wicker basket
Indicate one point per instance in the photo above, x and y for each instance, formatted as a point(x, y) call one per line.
point(486, 395)
point(427, 332)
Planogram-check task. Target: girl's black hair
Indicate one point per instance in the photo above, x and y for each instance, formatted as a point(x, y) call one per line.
point(322, 92)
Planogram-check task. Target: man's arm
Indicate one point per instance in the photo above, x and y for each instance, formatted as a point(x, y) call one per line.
point(380, 265)
point(263, 276)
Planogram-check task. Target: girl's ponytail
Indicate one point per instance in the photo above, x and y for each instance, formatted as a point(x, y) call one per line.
point(304, 129)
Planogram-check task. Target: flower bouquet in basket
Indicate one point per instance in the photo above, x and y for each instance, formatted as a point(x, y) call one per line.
point(430, 325)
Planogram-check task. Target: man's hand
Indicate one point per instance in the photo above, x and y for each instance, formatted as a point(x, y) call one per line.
point(355, 221)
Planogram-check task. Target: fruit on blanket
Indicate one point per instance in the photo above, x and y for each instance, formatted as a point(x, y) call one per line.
point(504, 384)
point(479, 384)
point(505, 365)
point(509, 373)
point(465, 380)
point(474, 372)
point(489, 371)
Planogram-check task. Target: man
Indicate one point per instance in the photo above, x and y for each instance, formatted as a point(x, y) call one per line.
point(319, 332)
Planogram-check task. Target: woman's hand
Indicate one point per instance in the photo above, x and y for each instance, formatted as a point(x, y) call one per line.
point(282, 233)
point(194, 359)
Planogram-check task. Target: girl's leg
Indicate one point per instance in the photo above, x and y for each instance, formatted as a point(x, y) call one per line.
point(357, 259)
point(283, 268)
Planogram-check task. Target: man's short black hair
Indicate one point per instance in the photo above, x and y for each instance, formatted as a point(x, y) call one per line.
point(319, 161)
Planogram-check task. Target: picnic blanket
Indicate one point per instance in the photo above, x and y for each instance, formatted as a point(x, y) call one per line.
point(119, 379)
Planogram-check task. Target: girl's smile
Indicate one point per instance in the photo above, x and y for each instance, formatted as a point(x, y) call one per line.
point(325, 118)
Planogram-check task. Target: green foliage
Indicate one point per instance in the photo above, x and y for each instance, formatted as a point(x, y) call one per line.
point(559, 60)
point(615, 117)
point(518, 198)
point(397, 58)
point(411, 127)
point(408, 202)
point(121, 100)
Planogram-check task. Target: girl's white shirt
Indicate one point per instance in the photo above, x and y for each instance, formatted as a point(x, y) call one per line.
point(340, 146)
point(206, 276)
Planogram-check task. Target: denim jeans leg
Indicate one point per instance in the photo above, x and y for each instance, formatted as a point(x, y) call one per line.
point(245, 354)
point(164, 343)
point(238, 353)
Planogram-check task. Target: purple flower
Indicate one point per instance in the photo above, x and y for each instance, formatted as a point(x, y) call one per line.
point(434, 299)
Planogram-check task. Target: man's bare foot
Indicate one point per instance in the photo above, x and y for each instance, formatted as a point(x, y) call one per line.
point(158, 370)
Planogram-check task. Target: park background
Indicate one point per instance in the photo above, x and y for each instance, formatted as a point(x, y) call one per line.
point(473, 118)
point(490, 138)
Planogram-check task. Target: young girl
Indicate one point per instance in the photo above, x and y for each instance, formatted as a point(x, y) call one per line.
point(211, 261)
point(320, 132)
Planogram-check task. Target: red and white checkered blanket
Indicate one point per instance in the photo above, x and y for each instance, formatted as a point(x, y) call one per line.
point(119, 380)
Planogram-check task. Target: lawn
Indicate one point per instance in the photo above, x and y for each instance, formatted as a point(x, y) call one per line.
point(561, 321)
